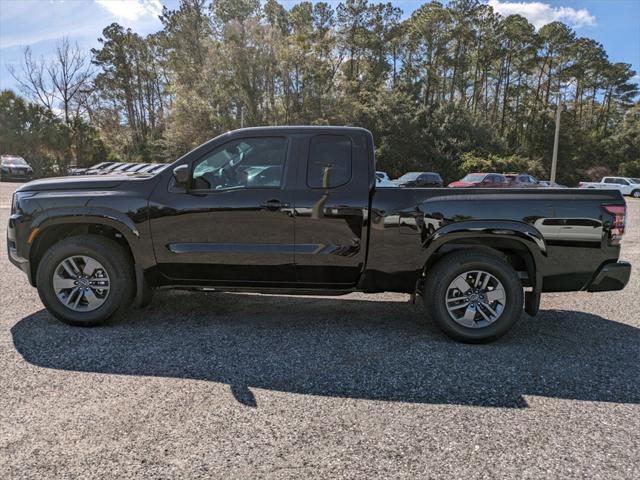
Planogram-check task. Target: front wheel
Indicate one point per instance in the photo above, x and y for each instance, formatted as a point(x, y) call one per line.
point(84, 280)
point(473, 297)
point(635, 194)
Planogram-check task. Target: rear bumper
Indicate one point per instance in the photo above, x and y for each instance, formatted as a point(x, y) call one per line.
point(610, 276)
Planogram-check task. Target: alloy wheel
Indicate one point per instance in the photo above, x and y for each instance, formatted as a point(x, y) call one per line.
point(475, 299)
point(81, 283)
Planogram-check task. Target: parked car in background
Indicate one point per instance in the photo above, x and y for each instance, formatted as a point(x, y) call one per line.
point(522, 180)
point(549, 184)
point(482, 180)
point(113, 168)
point(13, 167)
point(383, 180)
point(626, 185)
point(420, 179)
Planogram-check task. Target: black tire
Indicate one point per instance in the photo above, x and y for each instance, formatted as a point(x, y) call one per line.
point(446, 270)
point(114, 259)
point(635, 194)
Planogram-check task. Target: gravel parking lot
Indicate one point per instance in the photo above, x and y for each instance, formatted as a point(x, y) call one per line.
point(245, 386)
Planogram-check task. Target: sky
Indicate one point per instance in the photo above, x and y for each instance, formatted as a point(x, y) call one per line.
point(39, 23)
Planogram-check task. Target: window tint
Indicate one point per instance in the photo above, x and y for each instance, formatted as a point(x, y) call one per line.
point(329, 164)
point(609, 180)
point(622, 181)
point(245, 163)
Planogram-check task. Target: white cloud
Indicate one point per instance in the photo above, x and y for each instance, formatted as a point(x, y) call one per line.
point(131, 10)
point(540, 14)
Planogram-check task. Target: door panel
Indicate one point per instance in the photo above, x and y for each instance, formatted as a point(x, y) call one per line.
point(331, 211)
point(232, 235)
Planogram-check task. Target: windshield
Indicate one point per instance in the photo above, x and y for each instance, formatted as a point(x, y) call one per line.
point(474, 177)
point(635, 180)
point(14, 160)
point(409, 176)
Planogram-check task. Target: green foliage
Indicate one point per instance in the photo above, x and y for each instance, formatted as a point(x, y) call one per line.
point(44, 140)
point(452, 88)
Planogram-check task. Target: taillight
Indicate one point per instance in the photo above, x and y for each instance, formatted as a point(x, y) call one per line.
point(617, 230)
point(579, 184)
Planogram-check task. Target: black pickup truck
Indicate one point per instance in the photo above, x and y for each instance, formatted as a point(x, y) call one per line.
point(296, 210)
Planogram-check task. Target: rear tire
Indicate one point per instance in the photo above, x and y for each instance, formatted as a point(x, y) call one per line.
point(452, 290)
point(114, 270)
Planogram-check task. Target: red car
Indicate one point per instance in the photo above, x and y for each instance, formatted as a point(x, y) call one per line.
point(484, 180)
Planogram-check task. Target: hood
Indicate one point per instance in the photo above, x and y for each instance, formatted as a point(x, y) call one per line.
point(15, 165)
point(80, 182)
point(460, 184)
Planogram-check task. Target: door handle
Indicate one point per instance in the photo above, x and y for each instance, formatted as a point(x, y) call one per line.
point(274, 205)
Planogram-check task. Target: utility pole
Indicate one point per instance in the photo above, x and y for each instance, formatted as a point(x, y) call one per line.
point(241, 116)
point(556, 139)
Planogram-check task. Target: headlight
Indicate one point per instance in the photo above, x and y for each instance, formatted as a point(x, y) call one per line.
point(17, 198)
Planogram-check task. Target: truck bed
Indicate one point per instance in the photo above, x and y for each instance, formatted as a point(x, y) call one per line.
point(569, 227)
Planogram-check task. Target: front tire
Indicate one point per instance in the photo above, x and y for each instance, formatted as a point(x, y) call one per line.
point(635, 194)
point(85, 280)
point(473, 297)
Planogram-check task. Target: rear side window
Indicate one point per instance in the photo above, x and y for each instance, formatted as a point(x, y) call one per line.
point(609, 180)
point(329, 164)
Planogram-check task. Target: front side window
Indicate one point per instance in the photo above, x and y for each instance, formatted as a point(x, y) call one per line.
point(329, 164)
point(474, 178)
point(246, 163)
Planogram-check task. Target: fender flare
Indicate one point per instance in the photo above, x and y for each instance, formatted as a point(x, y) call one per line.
point(102, 216)
point(526, 235)
point(113, 219)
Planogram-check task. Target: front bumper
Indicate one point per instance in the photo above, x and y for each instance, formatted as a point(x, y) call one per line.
point(610, 276)
point(12, 248)
point(17, 175)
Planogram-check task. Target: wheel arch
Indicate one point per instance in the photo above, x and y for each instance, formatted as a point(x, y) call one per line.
point(51, 232)
point(521, 245)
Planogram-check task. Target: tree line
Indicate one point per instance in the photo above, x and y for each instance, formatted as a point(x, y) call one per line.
point(447, 89)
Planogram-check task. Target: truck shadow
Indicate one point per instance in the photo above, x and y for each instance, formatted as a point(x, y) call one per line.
point(346, 348)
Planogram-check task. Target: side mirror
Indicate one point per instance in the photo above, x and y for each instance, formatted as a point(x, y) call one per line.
point(182, 175)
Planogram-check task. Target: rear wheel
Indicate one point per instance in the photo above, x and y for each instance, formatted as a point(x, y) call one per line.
point(473, 297)
point(85, 280)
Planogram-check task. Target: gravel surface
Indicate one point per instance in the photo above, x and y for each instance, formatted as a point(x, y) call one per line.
point(362, 386)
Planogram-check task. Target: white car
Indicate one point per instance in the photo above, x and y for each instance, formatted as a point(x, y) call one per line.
point(383, 180)
point(626, 185)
